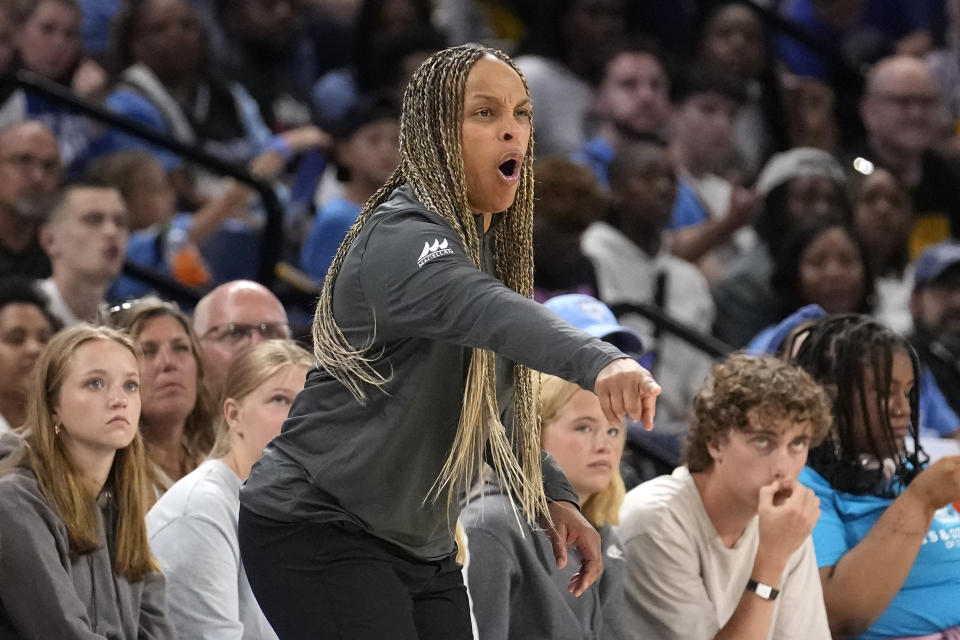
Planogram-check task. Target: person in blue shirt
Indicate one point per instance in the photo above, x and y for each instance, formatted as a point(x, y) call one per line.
point(935, 309)
point(888, 538)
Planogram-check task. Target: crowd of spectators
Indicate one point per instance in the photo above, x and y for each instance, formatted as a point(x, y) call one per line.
point(794, 196)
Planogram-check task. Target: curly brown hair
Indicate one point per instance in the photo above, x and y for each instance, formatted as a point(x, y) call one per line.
point(742, 384)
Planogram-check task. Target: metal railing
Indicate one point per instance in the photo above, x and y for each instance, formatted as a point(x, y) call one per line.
point(827, 50)
point(272, 234)
point(706, 343)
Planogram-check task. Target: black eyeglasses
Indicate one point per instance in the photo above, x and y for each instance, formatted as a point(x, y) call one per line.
point(237, 333)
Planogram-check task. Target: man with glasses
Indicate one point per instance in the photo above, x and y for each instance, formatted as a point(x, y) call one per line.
point(935, 308)
point(30, 171)
point(232, 318)
point(902, 114)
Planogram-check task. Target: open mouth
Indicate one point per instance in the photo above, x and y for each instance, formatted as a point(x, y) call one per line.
point(509, 169)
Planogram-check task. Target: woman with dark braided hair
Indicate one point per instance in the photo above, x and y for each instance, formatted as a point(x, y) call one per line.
point(888, 538)
point(425, 336)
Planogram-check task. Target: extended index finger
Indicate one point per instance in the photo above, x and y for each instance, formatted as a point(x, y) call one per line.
point(649, 391)
point(611, 403)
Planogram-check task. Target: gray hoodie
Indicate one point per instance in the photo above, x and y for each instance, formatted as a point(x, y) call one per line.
point(47, 591)
point(408, 286)
point(516, 589)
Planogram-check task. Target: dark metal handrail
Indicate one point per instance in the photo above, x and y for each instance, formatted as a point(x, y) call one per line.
point(705, 343)
point(272, 235)
point(822, 48)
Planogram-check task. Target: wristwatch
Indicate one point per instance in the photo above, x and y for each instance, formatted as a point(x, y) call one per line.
point(765, 591)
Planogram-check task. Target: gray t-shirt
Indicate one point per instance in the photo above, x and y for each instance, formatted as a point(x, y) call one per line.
point(408, 286)
point(193, 533)
point(47, 591)
point(683, 583)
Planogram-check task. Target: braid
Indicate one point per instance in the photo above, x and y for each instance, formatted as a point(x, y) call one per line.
point(837, 351)
point(431, 125)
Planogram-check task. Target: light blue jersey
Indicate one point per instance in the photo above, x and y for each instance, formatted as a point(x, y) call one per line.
point(928, 601)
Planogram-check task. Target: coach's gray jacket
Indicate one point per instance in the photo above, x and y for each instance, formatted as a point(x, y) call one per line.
point(408, 286)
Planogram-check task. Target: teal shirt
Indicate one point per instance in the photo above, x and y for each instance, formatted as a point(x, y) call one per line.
point(929, 600)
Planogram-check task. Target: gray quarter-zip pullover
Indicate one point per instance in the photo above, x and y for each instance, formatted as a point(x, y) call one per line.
point(409, 290)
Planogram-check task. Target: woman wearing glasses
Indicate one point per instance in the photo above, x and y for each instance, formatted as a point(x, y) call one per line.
point(177, 416)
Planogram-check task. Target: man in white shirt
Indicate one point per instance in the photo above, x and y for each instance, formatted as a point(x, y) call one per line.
point(633, 264)
point(721, 548)
point(86, 238)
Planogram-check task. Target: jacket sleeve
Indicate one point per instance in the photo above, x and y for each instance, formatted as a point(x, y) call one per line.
point(37, 594)
point(420, 283)
point(555, 484)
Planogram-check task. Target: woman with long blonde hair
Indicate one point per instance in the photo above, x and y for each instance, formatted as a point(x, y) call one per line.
point(348, 517)
point(516, 588)
point(193, 527)
point(74, 560)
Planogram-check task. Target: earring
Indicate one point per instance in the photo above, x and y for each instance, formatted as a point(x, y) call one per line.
point(56, 428)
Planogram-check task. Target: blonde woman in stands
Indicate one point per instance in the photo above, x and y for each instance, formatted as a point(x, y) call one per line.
point(515, 586)
point(193, 527)
point(74, 558)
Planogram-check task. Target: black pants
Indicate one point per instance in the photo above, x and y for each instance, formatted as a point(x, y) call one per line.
point(333, 580)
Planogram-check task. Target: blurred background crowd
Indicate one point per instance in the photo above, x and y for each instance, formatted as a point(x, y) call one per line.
point(714, 171)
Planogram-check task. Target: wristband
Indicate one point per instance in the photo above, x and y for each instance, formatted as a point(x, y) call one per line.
point(765, 591)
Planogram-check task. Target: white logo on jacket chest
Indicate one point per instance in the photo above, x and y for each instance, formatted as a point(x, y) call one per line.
point(433, 251)
point(614, 552)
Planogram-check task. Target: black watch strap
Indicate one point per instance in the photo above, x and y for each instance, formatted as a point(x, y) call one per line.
point(765, 591)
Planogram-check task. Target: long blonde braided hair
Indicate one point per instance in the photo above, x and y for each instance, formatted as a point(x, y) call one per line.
point(432, 164)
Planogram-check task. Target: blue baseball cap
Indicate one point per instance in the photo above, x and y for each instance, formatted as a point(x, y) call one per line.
point(592, 316)
point(934, 261)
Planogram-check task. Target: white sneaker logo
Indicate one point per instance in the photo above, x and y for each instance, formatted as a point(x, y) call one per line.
point(433, 251)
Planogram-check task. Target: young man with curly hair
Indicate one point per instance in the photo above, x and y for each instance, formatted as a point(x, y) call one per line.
point(710, 547)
